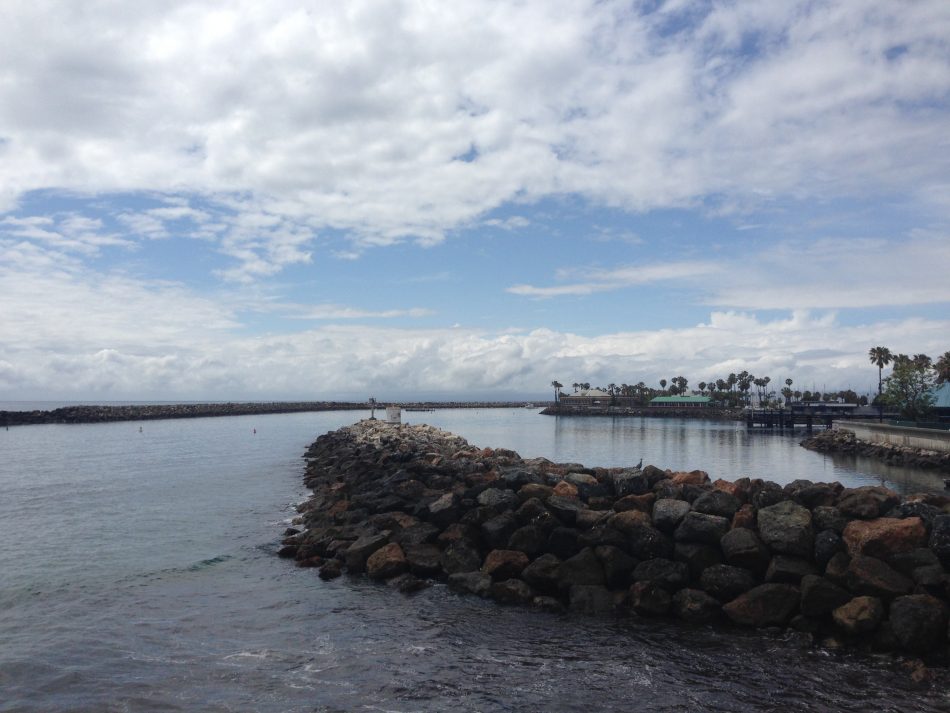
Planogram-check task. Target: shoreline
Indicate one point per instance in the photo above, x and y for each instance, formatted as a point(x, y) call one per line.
point(844, 441)
point(150, 412)
point(837, 567)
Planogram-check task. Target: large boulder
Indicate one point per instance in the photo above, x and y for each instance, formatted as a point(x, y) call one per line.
point(789, 570)
point(504, 564)
point(940, 539)
point(511, 591)
point(827, 517)
point(669, 513)
point(562, 542)
point(867, 502)
point(884, 536)
point(388, 561)
point(667, 573)
point(695, 606)
point(873, 577)
point(496, 531)
point(542, 573)
point(919, 622)
point(461, 556)
point(646, 542)
point(529, 539)
point(648, 598)
point(629, 481)
point(617, 565)
point(743, 548)
point(444, 511)
point(357, 553)
point(821, 596)
point(477, 583)
point(697, 557)
point(590, 599)
point(424, 560)
point(765, 605)
point(582, 568)
point(717, 502)
point(629, 520)
point(699, 527)
point(786, 528)
point(725, 582)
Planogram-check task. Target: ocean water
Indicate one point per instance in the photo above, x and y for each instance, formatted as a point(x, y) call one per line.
point(137, 573)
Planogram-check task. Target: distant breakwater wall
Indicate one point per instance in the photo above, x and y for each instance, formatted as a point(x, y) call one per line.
point(146, 412)
point(411, 504)
point(841, 439)
point(708, 414)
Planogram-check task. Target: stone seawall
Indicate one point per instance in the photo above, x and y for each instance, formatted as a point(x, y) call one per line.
point(841, 440)
point(412, 504)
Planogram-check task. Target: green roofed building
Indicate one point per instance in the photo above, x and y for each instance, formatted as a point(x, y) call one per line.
point(681, 401)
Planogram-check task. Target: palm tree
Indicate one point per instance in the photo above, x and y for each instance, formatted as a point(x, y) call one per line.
point(662, 383)
point(702, 386)
point(557, 390)
point(880, 357)
point(942, 365)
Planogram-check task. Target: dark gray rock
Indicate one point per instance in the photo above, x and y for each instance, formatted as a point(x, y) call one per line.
point(907, 562)
point(875, 578)
point(697, 557)
point(629, 482)
point(698, 527)
point(717, 502)
point(668, 514)
point(827, 544)
point(444, 511)
point(668, 574)
point(499, 500)
point(919, 622)
point(590, 599)
point(357, 553)
point(765, 605)
point(646, 542)
point(460, 556)
point(603, 535)
point(497, 531)
point(511, 591)
point(927, 513)
point(617, 565)
point(827, 517)
point(582, 568)
point(743, 548)
point(424, 560)
point(725, 582)
point(788, 570)
point(562, 542)
point(649, 598)
point(765, 494)
point(786, 528)
point(695, 606)
point(821, 596)
point(529, 539)
point(867, 502)
point(542, 573)
point(940, 539)
point(475, 582)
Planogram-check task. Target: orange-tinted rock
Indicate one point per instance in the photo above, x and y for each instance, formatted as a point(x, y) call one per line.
point(629, 520)
point(565, 490)
point(884, 536)
point(860, 615)
point(744, 517)
point(504, 564)
point(643, 503)
point(386, 562)
point(693, 477)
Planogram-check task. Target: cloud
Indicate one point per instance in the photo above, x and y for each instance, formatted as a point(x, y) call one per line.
point(355, 118)
point(337, 312)
point(599, 280)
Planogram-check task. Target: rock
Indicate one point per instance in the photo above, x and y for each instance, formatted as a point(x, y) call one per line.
point(717, 502)
point(646, 542)
point(837, 568)
point(504, 564)
point(816, 495)
point(765, 605)
point(587, 519)
point(529, 539)
point(460, 556)
point(821, 596)
point(695, 606)
point(629, 521)
point(926, 512)
point(629, 482)
point(590, 599)
point(667, 514)
point(617, 565)
point(860, 615)
point(444, 511)
point(744, 517)
point(498, 499)
point(388, 561)
point(743, 548)
point(535, 490)
point(867, 502)
point(582, 568)
point(786, 529)
point(884, 536)
point(648, 598)
point(418, 534)
point(587, 485)
point(542, 573)
point(564, 509)
point(562, 542)
point(827, 544)
point(408, 583)
point(566, 490)
point(725, 582)
point(697, 557)
point(654, 475)
point(643, 503)
point(603, 535)
point(668, 490)
point(551, 605)
point(668, 574)
point(357, 553)
point(919, 622)
point(287, 551)
point(828, 518)
point(693, 477)
point(498, 530)
point(873, 577)
point(698, 527)
point(940, 539)
point(907, 562)
point(789, 570)
point(511, 591)
point(331, 569)
point(424, 560)
point(477, 583)
point(766, 494)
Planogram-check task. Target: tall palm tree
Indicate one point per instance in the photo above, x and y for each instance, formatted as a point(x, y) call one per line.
point(557, 390)
point(662, 383)
point(942, 365)
point(880, 357)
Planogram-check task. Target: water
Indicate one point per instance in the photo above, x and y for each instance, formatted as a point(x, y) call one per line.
point(137, 574)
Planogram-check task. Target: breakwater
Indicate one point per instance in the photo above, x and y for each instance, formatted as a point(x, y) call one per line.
point(842, 567)
point(841, 440)
point(709, 414)
point(146, 412)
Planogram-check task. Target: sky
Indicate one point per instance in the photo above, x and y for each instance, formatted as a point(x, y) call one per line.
point(311, 200)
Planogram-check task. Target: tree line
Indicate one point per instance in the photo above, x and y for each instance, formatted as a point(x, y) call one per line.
point(907, 389)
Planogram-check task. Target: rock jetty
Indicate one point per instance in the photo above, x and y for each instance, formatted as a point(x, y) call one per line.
point(411, 504)
point(844, 441)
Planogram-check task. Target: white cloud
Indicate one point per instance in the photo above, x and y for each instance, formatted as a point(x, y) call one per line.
point(337, 312)
point(355, 117)
point(600, 280)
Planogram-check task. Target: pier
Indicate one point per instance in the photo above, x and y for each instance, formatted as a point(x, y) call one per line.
point(810, 414)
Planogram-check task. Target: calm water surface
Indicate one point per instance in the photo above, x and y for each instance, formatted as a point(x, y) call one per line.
point(137, 574)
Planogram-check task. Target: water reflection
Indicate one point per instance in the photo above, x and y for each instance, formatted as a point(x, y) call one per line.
point(724, 449)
